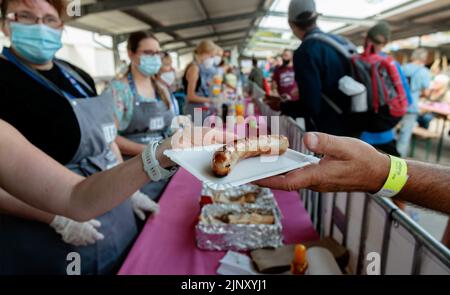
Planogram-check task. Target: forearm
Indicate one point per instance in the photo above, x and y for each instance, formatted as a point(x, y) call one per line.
point(128, 147)
point(105, 190)
point(13, 207)
point(110, 188)
point(274, 89)
point(428, 186)
point(49, 186)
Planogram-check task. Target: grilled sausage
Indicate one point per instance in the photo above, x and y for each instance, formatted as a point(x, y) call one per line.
point(228, 156)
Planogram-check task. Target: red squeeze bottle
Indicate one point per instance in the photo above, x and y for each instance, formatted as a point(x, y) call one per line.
point(299, 265)
point(205, 200)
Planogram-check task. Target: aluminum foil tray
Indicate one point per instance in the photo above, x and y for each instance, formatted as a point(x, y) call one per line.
point(219, 236)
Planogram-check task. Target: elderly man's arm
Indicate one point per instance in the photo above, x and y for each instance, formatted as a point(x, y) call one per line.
point(349, 165)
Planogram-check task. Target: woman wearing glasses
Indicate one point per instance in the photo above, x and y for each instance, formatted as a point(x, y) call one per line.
point(54, 105)
point(144, 108)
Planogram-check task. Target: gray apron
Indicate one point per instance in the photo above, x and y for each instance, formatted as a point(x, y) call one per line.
point(203, 91)
point(30, 247)
point(150, 122)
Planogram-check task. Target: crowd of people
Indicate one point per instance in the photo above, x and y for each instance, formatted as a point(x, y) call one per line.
point(298, 91)
point(82, 170)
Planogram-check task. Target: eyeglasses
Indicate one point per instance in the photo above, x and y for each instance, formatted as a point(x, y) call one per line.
point(152, 53)
point(29, 18)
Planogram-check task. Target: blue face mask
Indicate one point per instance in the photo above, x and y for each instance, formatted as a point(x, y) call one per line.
point(150, 65)
point(36, 43)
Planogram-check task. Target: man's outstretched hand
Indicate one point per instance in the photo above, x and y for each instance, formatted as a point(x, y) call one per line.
point(348, 165)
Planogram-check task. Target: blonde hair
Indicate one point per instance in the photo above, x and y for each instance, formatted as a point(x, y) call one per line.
point(206, 47)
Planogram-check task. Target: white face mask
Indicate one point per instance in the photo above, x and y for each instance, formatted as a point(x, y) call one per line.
point(217, 60)
point(168, 78)
point(209, 62)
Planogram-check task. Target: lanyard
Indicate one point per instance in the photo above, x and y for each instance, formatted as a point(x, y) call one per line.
point(35, 75)
point(74, 83)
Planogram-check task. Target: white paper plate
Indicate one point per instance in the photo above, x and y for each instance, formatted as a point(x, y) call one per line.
point(198, 162)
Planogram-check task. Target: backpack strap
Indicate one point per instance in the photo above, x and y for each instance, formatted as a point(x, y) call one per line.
point(333, 105)
point(347, 50)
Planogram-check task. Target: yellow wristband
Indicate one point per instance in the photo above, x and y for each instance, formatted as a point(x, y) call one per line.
point(398, 176)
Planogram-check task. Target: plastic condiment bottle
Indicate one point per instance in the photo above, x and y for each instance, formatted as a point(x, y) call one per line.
point(299, 264)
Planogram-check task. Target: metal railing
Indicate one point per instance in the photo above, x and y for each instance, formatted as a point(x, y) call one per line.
point(364, 224)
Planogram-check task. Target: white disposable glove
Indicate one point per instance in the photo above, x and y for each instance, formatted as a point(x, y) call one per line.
point(77, 233)
point(142, 203)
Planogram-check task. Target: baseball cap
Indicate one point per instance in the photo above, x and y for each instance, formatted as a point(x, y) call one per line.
point(297, 7)
point(381, 29)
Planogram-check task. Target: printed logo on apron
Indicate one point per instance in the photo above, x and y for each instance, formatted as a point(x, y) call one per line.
point(110, 132)
point(156, 123)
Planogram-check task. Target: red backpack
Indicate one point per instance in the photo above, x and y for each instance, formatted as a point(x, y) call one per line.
point(386, 98)
point(384, 86)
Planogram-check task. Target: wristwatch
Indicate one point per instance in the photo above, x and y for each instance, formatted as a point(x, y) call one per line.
point(151, 165)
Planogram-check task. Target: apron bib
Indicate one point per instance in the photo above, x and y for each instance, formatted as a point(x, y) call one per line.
point(30, 247)
point(150, 122)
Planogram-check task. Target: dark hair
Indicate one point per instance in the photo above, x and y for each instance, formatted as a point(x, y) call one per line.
point(59, 5)
point(133, 44)
point(135, 39)
point(255, 62)
point(305, 20)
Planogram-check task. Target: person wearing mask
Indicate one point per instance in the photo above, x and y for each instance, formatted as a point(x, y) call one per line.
point(209, 73)
point(167, 74)
point(318, 67)
point(143, 107)
point(168, 77)
point(283, 80)
point(54, 105)
point(256, 75)
point(345, 167)
point(377, 38)
point(419, 81)
point(194, 80)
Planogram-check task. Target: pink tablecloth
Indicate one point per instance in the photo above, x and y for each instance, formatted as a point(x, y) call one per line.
point(166, 245)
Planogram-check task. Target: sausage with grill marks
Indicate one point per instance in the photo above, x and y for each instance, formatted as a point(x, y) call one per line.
point(225, 159)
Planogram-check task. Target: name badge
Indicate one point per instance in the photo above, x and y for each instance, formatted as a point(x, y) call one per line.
point(156, 123)
point(110, 132)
